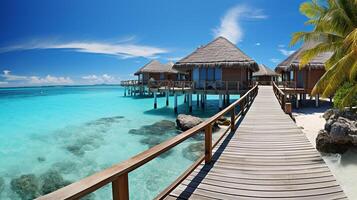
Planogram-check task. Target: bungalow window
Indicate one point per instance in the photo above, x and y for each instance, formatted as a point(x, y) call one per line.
point(203, 74)
point(162, 76)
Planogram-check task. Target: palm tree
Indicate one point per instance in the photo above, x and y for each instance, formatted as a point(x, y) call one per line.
point(335, 30)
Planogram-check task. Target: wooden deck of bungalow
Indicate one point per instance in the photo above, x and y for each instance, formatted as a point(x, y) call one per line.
point(262, 155)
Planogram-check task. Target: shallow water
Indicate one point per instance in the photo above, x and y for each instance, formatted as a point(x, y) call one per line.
point(76, 131)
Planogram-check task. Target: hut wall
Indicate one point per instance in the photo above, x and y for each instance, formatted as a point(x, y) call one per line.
point(313, 76)
point(234, 74)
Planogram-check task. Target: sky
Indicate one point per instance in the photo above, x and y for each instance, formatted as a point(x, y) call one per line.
point(48, 42)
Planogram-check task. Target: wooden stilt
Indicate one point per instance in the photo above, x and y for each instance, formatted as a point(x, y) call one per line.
point(220, 102)
point(190, 102)
point(317, 100)
point(198, 100)
point(175, 102)
point(124, 91)
point(297, 100)
point(167, 98)
point(155, 100)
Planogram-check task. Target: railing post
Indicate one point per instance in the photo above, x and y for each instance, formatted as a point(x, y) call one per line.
point(208, 143)
point(233, 119)
point(242, 105)
point(120, 188)
point(283, 100)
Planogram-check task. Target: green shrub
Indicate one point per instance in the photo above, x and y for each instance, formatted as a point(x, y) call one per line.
point(341, 93)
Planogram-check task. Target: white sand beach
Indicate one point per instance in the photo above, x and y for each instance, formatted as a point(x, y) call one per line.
point(344, 167)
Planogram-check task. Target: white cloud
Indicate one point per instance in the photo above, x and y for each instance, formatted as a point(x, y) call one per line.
point(230, 24)
point(274, 60)
point(35, 80)
point(174, 58)
point(123, 49)
point(3, 83)
point(281, 46)
point(286, 52)
point(257, 44)
point(9, 77)
point(50, 80)
point(98, 79)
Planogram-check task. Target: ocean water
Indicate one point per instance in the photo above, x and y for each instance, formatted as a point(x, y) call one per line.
point(63, 134)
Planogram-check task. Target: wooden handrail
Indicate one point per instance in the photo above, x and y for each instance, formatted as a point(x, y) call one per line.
point(280, 95)
point(199, 85)
point(118, 174)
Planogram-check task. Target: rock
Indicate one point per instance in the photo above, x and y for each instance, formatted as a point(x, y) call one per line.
point(2, 184)
point(324, 143)
point(223, 121)
point(328, 113)
point(65, 167)
point(41, 159)
point(185, 122)
point(328, 124)
point(51, 181)
point(26, 186)
point(107, 121)
point(339, 132)
point(194, 151)
point(76, 150)
point(157, 128)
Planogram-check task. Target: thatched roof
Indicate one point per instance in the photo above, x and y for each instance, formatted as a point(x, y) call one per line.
point(264, 71)
point(220, 52)
point(155, 66)
point(292, 62)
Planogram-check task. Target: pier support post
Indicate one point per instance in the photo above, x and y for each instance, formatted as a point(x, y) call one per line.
point(224, 99)
point(227, 99)
point(185, 99)
point(297, 101)
point(175, 102)
point(317, 100)
point(124, 91)
point(220, 102)
point(190, 102)
point(155, 100)
point(167, 98)
point(198, 100)
point(202, 100)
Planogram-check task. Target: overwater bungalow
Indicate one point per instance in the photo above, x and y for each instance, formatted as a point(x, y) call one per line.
point(152, 71)
point(265, 75)
point(216, 68)
point(298, 81)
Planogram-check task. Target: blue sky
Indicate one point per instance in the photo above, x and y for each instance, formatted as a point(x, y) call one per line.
point(47, 42)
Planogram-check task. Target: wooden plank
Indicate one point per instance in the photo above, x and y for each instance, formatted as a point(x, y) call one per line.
point(268, 157)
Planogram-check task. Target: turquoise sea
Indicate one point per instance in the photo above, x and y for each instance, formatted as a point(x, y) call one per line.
point(51, 136)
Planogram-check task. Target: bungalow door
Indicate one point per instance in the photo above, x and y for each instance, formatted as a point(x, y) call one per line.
point(300, 79)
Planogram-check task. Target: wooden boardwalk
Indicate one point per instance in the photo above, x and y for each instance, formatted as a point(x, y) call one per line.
point(268, 157)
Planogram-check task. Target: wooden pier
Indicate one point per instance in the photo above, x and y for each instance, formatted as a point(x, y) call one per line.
point(262, 155)
point(267, 157)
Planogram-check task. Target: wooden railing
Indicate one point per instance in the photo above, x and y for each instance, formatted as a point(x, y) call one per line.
point(168, 84)
point(286, 84)
point(201, 85)
point(260, 82)
point(117, 175)
point(281, 96)
point(130, 83)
